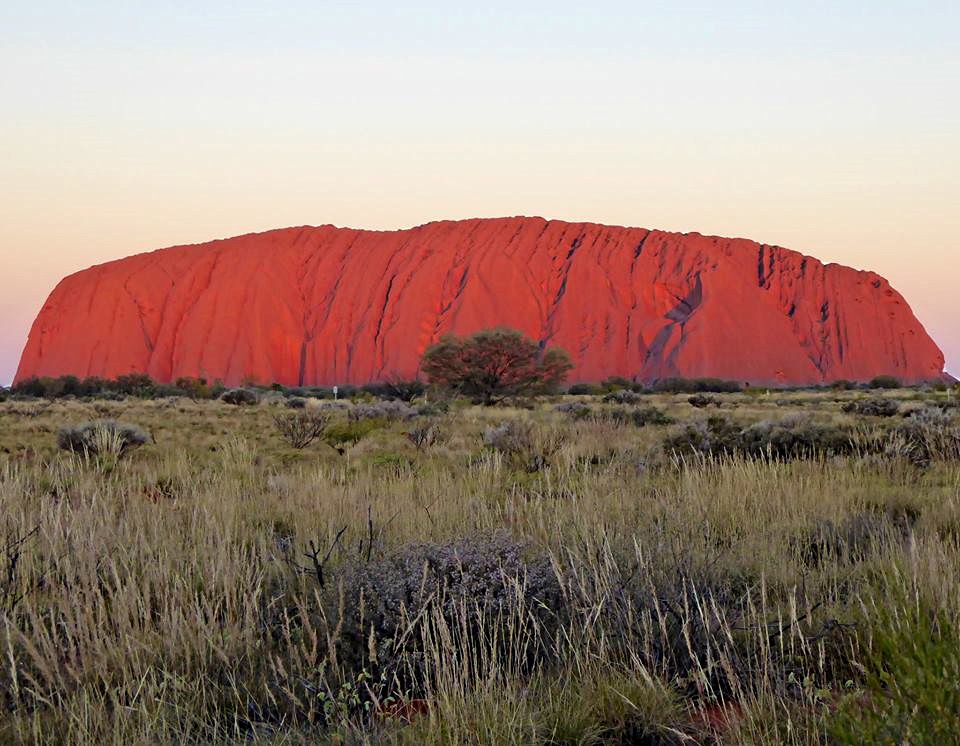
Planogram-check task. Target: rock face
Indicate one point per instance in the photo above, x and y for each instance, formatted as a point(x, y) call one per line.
point(329, 305)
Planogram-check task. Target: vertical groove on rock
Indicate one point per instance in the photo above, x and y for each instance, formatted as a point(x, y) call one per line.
point(377, 342)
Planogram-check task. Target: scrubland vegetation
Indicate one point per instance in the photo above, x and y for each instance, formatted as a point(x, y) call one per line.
point(613, 567)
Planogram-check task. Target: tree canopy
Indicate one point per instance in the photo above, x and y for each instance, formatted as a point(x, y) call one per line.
point(494, 364)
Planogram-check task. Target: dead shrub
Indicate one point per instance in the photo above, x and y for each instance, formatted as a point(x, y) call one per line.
point(101, 438)
point(527, 447)
point(300, 427)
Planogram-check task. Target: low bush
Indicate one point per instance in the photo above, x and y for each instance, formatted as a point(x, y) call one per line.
point(433, 408)
point(575, 410)
point(622, 396)
point(844, 385)
point(872, 407)
point(342, 435)
point(476, 581)
point(789, 439)
point(701, 401)
point(240, 397)
point(389, 411)
point(584, 389)
point(309, 392)
point(614, 383)
point(640, 416)
point(525, 446)
point(927, 435)
point(101, 438)
point(195, 388)
point(32, 386)
point(884, 382)
point(396, 463)
point(696, 385)
point(650, 416)
point(795, 438)
point(615, 707)
point(400, 390)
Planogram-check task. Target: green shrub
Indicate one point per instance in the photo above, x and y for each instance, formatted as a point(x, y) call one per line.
point(46, 387)
point(794, 438)
point(612, 707)
point(28, 387)
point(696, 385)
point(702, 401)
point(844, 385)
point(884, 382)
point(716, 436)
point(341, 435)
point(650, 416)
point(872, 407)
point(789, 439)
point(397, 463)
point(640, 417)
point(584, 389)
point(619, 383)
point(911, 691)
point(133, 384)
point(400, 390)
point(309, 392)
point(195, 388)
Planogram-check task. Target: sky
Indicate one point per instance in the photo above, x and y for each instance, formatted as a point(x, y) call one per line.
point(829, 128)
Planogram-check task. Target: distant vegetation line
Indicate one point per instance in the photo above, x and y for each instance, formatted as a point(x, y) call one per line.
point(489, 367)
point(142, 386)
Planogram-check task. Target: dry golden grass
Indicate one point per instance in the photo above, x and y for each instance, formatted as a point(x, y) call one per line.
point(154, 599)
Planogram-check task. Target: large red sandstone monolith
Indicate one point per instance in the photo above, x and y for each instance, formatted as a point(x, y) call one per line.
point(333, 305)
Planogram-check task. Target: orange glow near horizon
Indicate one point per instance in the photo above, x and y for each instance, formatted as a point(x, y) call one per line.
point(132, 130)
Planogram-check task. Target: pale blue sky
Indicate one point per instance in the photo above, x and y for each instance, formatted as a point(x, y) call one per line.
point(831, 128)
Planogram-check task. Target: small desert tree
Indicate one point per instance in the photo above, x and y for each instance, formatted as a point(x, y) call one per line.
point(494, 364)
